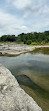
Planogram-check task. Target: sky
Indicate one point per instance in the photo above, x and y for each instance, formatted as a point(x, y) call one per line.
point(23, 16)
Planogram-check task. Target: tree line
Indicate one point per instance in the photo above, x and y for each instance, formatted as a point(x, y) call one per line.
point(28, 38)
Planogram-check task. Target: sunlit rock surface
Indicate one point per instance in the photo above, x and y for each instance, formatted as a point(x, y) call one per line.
point(12, 97)
point(13, 49)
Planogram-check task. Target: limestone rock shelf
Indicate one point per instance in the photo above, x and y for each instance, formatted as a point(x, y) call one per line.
point(13, 49)
point(12, 97)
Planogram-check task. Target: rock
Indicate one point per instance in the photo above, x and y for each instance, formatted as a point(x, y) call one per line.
point(12, 97)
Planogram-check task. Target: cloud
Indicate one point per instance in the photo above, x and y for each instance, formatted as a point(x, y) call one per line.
point(20, 4)
point(45, 9)
point(30, 6)
point(37, 9)
point(17, 16)
point(9, 24)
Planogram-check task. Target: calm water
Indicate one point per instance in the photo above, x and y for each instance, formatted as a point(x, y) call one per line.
point(37, 63)
point(32, 71)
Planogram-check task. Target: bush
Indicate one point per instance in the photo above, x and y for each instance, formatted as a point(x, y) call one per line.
point(25, 41)
point(35, 43)
point(29, 42)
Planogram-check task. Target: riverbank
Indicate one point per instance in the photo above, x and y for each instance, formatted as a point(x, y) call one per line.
point(13, 49)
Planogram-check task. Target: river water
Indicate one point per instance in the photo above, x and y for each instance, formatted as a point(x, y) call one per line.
point(32, 73)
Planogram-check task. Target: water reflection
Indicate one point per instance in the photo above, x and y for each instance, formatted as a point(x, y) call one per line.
point(31, 70)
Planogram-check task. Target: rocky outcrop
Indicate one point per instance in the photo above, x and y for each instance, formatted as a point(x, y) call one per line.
point(12, 97)
point(13, 49)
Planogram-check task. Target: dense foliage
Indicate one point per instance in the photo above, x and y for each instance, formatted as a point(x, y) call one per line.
point(27, 38)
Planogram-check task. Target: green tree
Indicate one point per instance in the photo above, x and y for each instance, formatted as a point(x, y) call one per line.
point(29, 42)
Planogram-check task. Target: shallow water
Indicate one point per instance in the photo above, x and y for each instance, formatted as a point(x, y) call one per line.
point(38, 63)
point(32, 71)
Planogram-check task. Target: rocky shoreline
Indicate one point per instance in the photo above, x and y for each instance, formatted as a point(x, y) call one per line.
point(13, 49)
point(12, 97)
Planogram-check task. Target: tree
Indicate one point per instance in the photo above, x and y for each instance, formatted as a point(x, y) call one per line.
point(27, 38)
point(29, 42)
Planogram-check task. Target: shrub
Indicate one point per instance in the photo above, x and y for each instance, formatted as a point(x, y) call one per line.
point(29, 42)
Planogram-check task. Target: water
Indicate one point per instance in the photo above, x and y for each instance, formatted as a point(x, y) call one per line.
point(31, 71)
point(38, 63)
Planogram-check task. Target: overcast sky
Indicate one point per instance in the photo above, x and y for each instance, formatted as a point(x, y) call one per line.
point(17, 16)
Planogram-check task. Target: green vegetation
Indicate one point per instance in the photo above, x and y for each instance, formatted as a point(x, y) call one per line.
point(29, 38)
point(43, 50)
point(29, 42)
point(10, 38)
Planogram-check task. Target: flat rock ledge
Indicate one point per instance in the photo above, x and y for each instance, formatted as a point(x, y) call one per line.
point(12, 97)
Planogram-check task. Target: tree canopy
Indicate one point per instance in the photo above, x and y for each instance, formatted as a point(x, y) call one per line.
point(27, 38)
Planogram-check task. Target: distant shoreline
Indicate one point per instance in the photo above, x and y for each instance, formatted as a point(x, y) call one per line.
point(13, 49)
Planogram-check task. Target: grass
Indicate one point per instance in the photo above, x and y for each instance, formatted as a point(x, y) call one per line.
point(35, 43)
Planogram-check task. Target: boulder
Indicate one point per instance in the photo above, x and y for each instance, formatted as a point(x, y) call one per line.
point(12, 96)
